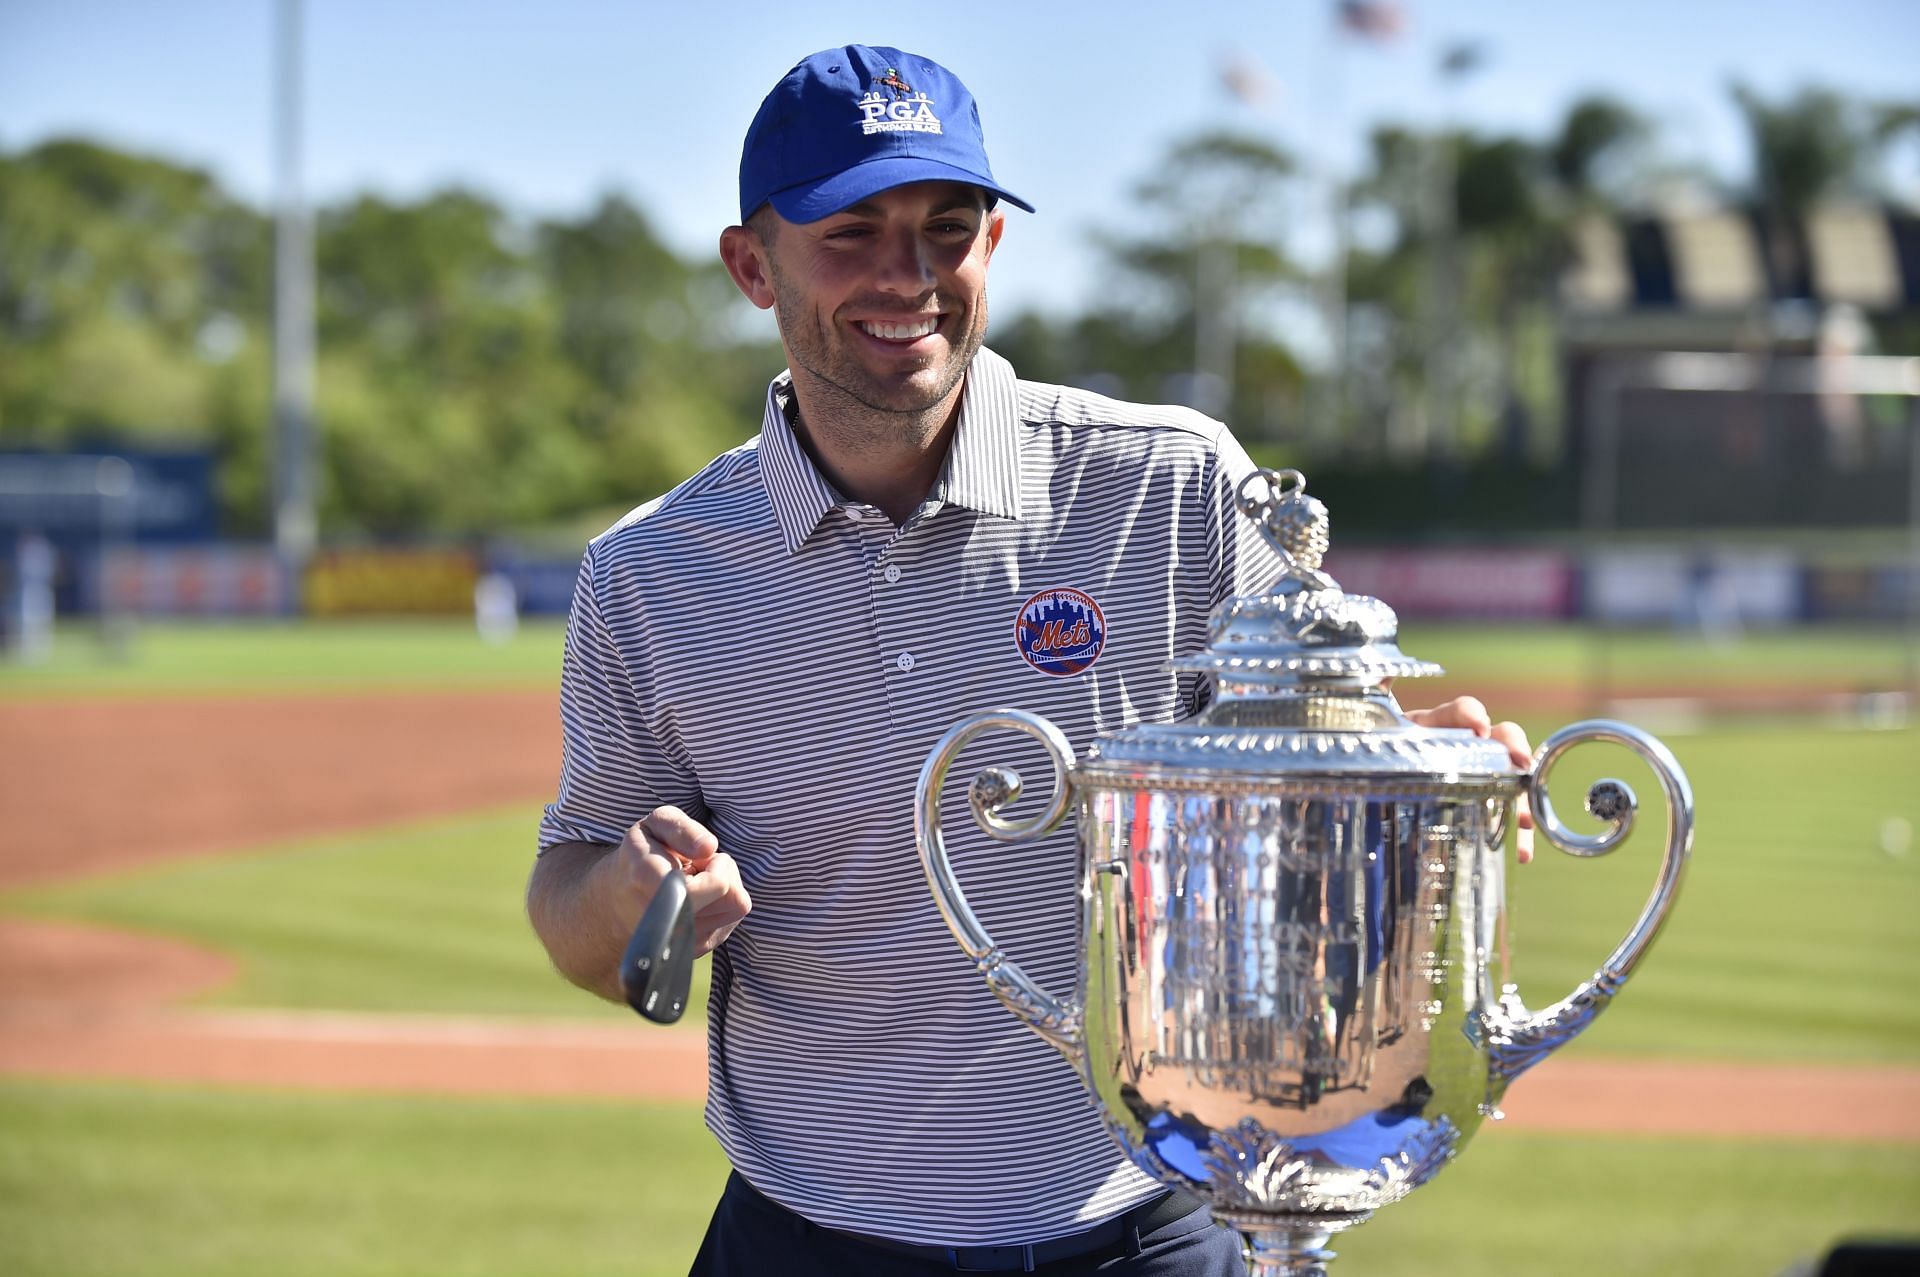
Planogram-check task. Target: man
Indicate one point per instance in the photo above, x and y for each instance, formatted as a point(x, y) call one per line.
point(758, 662)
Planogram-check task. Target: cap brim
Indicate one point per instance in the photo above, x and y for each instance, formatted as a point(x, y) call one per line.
point(811, 201)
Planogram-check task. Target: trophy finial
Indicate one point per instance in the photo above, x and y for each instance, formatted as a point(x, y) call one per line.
point(1294, 523)
point(1302, 632)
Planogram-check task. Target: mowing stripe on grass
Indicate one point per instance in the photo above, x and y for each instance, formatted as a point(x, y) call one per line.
point(190, 1182)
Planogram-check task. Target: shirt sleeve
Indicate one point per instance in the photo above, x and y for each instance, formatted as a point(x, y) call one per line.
point(1243, 561)
point(616, 764)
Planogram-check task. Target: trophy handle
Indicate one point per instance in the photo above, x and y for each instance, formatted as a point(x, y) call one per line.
point(1057, 1021)
point(1520, 1038)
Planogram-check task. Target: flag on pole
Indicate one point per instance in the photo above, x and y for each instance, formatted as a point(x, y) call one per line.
point(1462, 57)
point(1370, 19)
point(1246, 81)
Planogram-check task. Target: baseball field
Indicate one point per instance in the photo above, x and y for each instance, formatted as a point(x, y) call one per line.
point(268, 1003)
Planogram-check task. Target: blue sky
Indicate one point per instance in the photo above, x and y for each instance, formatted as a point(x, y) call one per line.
point(544, 105)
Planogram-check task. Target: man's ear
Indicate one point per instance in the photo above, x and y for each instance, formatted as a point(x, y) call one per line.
point(996, 225)
point(745, 258)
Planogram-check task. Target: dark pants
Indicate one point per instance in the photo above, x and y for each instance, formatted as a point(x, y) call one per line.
point(751, 1236)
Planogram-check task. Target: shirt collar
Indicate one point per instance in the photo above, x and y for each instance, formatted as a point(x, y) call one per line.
point(983, 465)
point(982, 469)
point(800, 495)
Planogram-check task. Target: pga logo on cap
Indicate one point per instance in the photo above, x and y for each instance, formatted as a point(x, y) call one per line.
point(1060, 632)
point(904, 112)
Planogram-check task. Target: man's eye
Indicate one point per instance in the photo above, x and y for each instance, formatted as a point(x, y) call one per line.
point(847, 232)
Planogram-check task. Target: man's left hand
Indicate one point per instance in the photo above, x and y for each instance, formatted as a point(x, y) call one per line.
point(1468, 712)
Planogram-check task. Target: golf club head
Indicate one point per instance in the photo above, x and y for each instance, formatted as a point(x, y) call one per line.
point(657, 969)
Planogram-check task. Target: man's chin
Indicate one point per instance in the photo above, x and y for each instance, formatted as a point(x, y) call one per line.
point(917, 391)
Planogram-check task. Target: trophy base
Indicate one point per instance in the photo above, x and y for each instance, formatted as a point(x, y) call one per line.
point(1289, 1245)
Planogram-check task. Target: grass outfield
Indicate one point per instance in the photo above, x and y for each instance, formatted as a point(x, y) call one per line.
point(139, 1182)
point(173, 657)
point(424, 917)
point(1865, 659)
point(186, 1182)
point(1793, 939)
point(311, 656)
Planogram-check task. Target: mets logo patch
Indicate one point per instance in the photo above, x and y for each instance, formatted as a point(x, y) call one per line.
point(1060, 631)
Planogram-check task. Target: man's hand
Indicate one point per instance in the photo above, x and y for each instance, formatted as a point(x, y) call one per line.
point(668, 838)
point(585, 898)
point(1467, 712)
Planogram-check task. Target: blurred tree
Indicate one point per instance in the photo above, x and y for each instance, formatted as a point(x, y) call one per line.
point(426, 285)
point(125, 283)
point(474, 373)
point(640, 323)
point(1514, 204)
point(1593, 156)
point(1893, 122)
point(1813, 146)
point(620, 289)
point(435, 329)
point(478, 372)
point(1192, 310)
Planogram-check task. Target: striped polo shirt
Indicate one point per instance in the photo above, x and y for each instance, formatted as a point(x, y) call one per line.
point(778, 661)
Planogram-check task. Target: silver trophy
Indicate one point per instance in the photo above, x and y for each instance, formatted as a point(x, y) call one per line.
point(1293, 911)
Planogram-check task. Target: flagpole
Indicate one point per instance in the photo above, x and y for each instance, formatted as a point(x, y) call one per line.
point(295, 528)
point(1330, 431)
point(1377, 22)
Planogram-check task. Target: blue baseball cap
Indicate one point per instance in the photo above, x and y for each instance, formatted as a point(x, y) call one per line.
point(848, 123)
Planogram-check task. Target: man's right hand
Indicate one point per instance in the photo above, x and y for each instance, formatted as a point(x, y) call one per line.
point(585, 899)
point(666, 838)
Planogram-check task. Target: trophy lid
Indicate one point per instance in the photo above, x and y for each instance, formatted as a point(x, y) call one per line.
point(1303, 633)
point(1299, 674)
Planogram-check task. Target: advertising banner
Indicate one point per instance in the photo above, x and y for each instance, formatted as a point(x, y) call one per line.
point(1461, 583)
point(123, 495)
point(1716, 590)
point(195, 580)
point(383, 582)
point(1860, 591)
point(544, 587)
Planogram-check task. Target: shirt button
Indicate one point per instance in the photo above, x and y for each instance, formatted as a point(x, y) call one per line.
point(892, 573)
point(854, 512)
point(904, 661)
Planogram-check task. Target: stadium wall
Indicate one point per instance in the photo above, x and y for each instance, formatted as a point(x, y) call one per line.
point(1642, 586)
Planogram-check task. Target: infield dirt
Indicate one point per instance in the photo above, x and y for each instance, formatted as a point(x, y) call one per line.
point(96, 784)
point(93, 785)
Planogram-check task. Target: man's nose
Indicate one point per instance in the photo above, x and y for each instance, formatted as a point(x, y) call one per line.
point(906, 263)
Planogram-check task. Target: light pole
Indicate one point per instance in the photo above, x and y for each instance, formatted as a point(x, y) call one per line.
point(1457, 61)
point(295, 528)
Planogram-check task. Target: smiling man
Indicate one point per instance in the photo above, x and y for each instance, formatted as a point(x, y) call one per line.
point(882, 306)
point(758, 662)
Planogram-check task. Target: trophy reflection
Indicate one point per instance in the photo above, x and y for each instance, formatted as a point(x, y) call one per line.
point(1290, 1000)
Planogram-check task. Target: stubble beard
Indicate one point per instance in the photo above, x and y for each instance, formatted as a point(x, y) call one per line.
point(859, 406)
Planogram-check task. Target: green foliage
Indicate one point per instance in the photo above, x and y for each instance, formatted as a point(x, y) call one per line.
point(1813, 144)
point(474, 373)
point(1470, 234)
point(480, 372)
point(1598, 137)
point(1195, 277)
point(125, 286)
